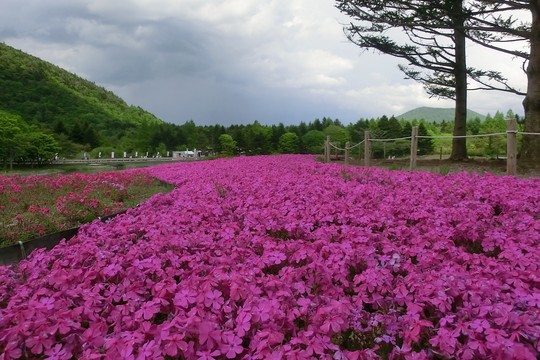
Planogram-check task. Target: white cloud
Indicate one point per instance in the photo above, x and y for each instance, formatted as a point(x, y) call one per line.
point(94, 32)
point(302, 69)
point(248, 60)
point(391, 99)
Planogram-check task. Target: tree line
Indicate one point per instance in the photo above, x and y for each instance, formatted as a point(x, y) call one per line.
point(260, 139)
point(20, 142)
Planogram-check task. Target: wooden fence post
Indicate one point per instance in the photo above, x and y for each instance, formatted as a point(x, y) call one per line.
point(347, 153)
point(511, 147)
point(414, 147)
point(327, 149)
point(367, 148)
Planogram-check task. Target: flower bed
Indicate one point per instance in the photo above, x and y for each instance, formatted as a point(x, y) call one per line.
point(283, 257)
point(31, 206)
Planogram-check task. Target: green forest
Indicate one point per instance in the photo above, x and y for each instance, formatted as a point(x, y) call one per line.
point(47, 112)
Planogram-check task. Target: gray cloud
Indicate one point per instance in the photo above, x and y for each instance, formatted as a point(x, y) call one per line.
point(225, 61)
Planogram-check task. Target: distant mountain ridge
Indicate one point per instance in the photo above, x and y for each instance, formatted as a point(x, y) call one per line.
point(436, 114)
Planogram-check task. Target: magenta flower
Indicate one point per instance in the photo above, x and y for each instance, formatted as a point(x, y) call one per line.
point(58, 352)
point(126, 352)
point(209, 334)
point(185, 297)
point(232, 346)
point(207, 355)
point(333, 324)
point(174, 344)
point(148, 310)
point(95, 334)
point(479, 325)
point(445, 341)
point(213, 299)
point(496, 339)
point(39, 343)
point(149, 350)
point(243, 323)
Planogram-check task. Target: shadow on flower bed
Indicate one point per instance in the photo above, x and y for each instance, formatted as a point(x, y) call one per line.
point(15, 253)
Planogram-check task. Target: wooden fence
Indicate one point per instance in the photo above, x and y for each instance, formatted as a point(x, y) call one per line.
point(511, 145)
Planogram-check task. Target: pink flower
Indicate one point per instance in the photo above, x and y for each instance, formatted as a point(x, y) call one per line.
point(207, 355)
point(232, 346)
point(174, 343)
point(12, 351)
point(95, 334)
point(445, 341)
point(148, 310)
point(185, 297)
point(39, 343)
point(58, 352)
point(415, 326)
point(209, 334)
point(126, 352)
point(478, 346)
point(479, 325)
point(112, 270)
point(46, 302)
point(214, 300)
point(149, 350)
point(243, 323)
point(496, 339)
point(333, 324)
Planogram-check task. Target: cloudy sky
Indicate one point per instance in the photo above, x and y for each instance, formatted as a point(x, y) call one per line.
point(229, 61)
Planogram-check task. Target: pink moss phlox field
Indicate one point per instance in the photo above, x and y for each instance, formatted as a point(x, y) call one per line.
point(31, 206)
point(283, 257)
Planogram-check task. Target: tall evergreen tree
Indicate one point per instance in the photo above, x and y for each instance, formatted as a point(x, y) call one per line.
point(498, 26)
point(406, 129)
point(435, 49)
point(316, 125)
point(425, 146)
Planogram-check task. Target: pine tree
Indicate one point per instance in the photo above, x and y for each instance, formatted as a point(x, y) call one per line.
point(425, 146)
point(435, 47)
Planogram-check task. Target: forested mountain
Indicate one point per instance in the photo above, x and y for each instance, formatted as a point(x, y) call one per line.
point(59, 102)
point(436, 114)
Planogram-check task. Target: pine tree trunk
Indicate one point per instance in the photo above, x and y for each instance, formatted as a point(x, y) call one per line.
point(459, 145)
point(530, 152)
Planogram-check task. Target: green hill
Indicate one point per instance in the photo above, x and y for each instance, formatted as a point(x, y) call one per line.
point(436, 114)
point(60, 103)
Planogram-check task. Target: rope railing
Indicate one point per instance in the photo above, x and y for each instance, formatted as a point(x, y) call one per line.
point(352, 147)
point(388, 140)
point(470, 136)
point(459, 136)
point(511, 148)
point(432, 137)
point(328, 145)
point(337, 148)
point(527, 133)
point(346, 148)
